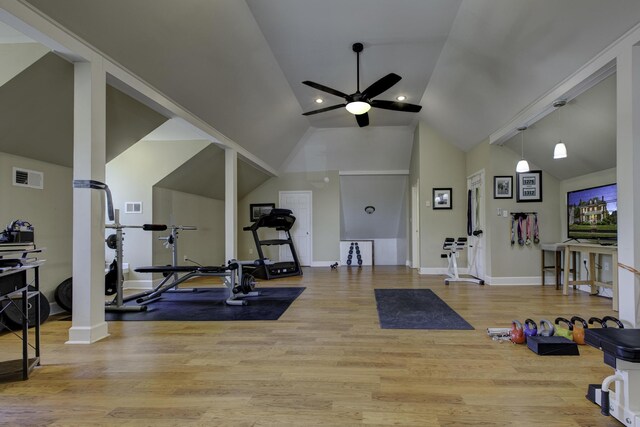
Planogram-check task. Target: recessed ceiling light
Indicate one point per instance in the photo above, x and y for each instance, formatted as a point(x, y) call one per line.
point(319, 100)
point(401, 98)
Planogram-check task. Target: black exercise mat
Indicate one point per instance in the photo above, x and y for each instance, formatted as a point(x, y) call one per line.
point(416, 309)
point(209, 305)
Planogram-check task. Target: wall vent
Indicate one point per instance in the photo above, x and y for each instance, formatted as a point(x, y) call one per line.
point(133, 207)
point(28, 178)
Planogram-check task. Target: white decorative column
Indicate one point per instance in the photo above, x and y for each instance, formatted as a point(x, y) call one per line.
point(89, 148)
point(628, 177)
point(230, 204)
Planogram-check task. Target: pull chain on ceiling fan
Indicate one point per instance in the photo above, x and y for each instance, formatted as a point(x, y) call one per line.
point(359, 103)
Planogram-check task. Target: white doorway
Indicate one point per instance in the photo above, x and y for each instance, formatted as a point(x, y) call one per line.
point(415, 226)
point(477, 240)
point(299, 202)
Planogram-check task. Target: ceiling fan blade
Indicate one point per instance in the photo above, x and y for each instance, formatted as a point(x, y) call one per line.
point(322, 110)
point(325, 89)
point(362, 119)
point(381, 85)
point(397, 106)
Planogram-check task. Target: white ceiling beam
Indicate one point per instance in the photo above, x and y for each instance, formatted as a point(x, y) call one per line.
point(593, 72)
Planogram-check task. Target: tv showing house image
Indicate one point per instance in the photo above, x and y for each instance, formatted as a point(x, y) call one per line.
point(592, 213)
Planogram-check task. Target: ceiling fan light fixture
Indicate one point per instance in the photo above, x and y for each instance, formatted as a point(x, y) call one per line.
point(358, 107)
point(560, 151)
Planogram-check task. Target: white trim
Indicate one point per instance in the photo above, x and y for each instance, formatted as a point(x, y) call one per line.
point(86, 334)
point(54, 308)
point(380, 172)
point(440, 270)
point(514, 281)
point(407, 263)
point(138, 284)
point(323, 263)
point(594, 71)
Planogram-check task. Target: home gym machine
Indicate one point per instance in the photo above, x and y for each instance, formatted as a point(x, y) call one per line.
point(280, 220)
point(452, 248)
point(621, 349)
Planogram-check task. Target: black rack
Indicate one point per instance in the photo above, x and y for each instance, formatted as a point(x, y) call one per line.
point(280, 220)
point(15, 290)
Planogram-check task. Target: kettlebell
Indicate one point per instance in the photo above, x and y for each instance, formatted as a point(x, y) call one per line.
point(546, 328)
point(564, 332)
point(606, 319)
point(596, 320)
point(578, 330)
point(517, 333)
point(530, 329)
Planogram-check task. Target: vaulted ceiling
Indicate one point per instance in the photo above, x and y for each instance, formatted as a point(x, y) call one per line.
point(238, 65)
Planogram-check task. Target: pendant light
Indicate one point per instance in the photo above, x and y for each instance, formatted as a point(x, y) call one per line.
point(560, 150)
point(523, 165)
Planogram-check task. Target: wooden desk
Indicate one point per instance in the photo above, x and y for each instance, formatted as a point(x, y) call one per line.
point(593, 249)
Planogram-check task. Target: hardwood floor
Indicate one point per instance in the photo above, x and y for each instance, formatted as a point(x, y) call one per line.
point(325, 362)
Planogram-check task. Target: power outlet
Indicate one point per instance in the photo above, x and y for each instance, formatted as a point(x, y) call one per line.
point(186, 258)
point(250, 251)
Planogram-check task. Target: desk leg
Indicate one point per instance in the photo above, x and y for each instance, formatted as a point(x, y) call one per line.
point(592, 273)
point(565, 283)
point(558, 255)
point(614, 279)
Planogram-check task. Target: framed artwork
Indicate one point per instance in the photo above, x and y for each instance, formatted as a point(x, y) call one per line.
point(529, 186)
point(442, 198)
point(503, 187)
point(256, 210)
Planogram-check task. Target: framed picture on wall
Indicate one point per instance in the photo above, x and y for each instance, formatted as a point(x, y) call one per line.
point(442, 198)
point(503, 187)
point(256, 210)
point(529, 186)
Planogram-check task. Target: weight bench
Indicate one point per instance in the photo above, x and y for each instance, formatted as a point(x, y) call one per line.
point(239, 285)
point(453, 246)
point(621, 349)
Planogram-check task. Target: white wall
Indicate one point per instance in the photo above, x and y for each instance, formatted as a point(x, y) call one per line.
point(49, 210)
point(131, 177)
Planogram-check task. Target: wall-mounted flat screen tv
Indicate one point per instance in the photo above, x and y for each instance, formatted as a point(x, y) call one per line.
point(592, 213)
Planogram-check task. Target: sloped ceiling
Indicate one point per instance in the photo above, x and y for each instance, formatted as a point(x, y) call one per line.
point(36, 107)
point(587, 126)
point(238, 65)
point(203, 175)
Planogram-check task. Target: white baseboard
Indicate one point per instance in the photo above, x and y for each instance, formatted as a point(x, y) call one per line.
point(138, 284)
point(323, 263)
point(514, 281)
point(88, 334)
point(440, 270)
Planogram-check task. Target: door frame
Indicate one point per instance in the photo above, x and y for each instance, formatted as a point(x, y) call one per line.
point(310, 221)
point(415, 225)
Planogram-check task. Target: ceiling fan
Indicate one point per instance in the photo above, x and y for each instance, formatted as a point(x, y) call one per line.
point(359, 103)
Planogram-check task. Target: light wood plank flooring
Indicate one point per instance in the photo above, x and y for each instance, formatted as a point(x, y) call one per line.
point(325, 362)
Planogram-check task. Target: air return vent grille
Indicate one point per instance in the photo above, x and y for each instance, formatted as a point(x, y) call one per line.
point(28, 178)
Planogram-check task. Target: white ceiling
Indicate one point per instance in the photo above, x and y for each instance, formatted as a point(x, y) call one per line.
point(471, 64)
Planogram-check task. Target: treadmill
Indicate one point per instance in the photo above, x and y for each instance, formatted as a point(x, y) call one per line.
point(280, 220)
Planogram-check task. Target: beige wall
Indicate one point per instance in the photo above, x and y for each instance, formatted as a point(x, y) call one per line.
point(131, 177)
point(206, 244)
point(326, 212)
point(517, 261)
point(442, 165)
point(49, 210)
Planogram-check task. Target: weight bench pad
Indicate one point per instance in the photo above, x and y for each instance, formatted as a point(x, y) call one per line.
point(623, 344)
point(180, 269)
